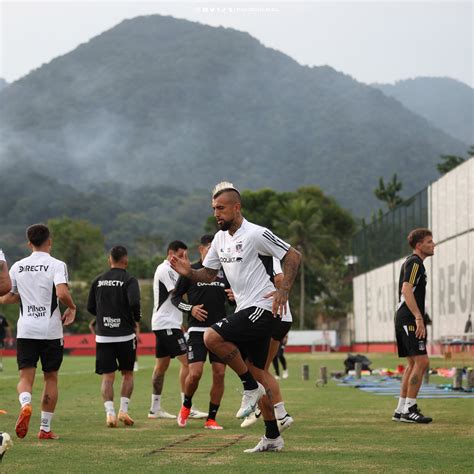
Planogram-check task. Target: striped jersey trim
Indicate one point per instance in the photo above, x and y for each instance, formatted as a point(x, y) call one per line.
point(413, 273)
point(275, 240)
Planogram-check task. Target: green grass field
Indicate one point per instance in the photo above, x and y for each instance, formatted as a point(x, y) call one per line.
point(336, 429)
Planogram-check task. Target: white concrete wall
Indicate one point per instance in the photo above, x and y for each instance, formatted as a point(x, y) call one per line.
point(450, 289)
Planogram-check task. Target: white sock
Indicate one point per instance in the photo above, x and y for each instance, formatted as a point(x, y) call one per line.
point(182, 398)
point(401, 405)
point(24, 398)
point(155, 403)
point(46, 418)
point(109, 408)
point(124, 401)
point(280, 411)
point(408, 403)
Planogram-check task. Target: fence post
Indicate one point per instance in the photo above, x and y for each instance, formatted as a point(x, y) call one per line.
point(358, 369)
point(457, 380)
point(323, 374)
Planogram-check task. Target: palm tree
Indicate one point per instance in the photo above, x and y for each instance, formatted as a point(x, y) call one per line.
point(300, 222)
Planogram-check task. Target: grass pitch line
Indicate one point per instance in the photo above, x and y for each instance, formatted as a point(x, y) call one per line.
point(198, 443)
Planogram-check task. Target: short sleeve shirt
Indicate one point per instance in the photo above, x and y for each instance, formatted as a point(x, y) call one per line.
point(243, 257)
point(165, 314)
point(35, 279)
point(413, 272)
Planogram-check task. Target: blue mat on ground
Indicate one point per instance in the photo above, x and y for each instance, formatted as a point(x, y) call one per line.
point(388, 386)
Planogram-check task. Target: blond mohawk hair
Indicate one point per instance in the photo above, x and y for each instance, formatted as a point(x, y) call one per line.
point(223, 186)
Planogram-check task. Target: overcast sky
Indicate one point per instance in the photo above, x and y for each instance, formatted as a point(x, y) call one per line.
point(371, 41)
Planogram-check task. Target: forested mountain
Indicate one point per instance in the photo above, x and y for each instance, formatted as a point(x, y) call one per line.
point(160, 101)
point(446, 103)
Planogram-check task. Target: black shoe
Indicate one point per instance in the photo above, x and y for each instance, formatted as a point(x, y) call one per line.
point(396, 416)
point(414, 415)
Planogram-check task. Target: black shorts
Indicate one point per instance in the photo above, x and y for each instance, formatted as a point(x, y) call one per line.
point(408, 344)
point(110, 356)
point(250, 330)
point(2, 343)
point(29, 351)
point(170, 343)
point(280, 329)
point(197, 350)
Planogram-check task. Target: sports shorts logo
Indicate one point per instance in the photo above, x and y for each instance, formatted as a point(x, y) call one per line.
point(421, 345)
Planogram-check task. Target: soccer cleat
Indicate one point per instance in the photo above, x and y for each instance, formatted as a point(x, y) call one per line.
point(414, 415)
point(5, 444)
point(160, 414)
point(47, 435)
point(111, 420)
point(196, 414)
point(277, 377)
point(183, 416)
point(284, 423)
point(396, 416)
point(251, 419)
point(125, 418)
point(212, 425)
point(250, 400)
point(23, 421)
point(266, 444)
point(285, 374)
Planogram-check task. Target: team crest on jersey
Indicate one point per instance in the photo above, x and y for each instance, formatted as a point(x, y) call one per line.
point(238, 247)
point(220, 274)
point(421, 345)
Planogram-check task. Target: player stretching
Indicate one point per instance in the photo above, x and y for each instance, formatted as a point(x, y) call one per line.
point(410, 327)
point(241, 249)
point(205, 305)
point(38, 281)
point(114, 299)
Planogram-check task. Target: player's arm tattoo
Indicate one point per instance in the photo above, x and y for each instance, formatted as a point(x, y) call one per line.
point(414, 380)
point(230, 356)
point(291, 264)
point(207, 275)
point(158, 384)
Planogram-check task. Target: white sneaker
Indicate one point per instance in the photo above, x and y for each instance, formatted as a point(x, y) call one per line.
point(285, 374)
point(250, 400)
point(251, 419)
point(196, 414)
point(266, 444)
point(161, 414)
point(135, 367)
point(277, 377)
point(284, 423)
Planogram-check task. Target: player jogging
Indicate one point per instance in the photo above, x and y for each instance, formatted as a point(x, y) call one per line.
point(114, 299)
point(241, 249)
point(167, 324)
point(410, 327)
point(205, 306)
point(38, 281)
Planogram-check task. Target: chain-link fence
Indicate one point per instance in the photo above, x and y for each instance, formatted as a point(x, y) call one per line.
point(385, 239)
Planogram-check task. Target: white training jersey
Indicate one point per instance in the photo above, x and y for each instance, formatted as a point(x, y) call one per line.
point(246, 258)
point(165, 314)
point(35, 278)
point(276, 271)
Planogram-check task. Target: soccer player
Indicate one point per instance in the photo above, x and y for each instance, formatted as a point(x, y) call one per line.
point(5, 282)
point(114, 299)
point(280, 358)
point(280, 330)
point(5, 330)
point(38, 281)
point(166, 323)
point(205, 306)
point(243, 249)
point(410, 328)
